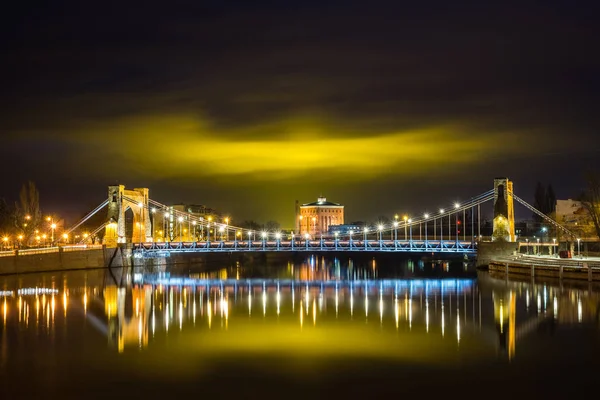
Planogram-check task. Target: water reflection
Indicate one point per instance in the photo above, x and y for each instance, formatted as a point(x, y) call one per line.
point(454, 313)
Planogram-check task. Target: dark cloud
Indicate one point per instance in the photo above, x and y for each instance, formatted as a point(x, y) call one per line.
point(217, 99)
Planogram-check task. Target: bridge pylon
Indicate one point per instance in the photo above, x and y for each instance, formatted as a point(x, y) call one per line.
point(119, 200)
point(504, 211)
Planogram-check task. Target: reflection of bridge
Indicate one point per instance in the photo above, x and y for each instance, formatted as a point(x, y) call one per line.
point(159, 230)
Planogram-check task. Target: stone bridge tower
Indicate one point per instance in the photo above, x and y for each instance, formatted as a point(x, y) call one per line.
point(504, 211)
point(119, 200)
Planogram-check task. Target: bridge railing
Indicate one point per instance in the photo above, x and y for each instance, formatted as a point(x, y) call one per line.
point(163, 248)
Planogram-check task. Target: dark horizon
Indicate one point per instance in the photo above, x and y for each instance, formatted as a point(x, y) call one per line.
point(386, 108)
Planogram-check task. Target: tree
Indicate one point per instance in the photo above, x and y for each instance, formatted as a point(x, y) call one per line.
point(539, 201)
point(590, 199)
point(272, 226)
point(27, 210)
point(251, 225)
point(7, 220)
point(550, 206)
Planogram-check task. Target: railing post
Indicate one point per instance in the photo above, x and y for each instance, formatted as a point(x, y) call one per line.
point(366, 243)
point(585, 265)
point(278, 243)
point(292, 242)
point(336, 243)
point(560, 272)
point(306, 244)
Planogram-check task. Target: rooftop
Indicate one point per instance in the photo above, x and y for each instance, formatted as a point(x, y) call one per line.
point(321, 201)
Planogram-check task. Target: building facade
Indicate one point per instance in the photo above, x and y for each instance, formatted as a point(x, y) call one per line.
point(315, 218)
point(573, 216)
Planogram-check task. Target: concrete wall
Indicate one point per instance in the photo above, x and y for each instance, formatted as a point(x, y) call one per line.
point(487, 251)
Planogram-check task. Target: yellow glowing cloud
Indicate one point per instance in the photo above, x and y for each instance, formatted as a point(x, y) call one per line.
point(166, 147)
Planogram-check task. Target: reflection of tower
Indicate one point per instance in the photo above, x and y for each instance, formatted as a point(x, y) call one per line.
point(128, 312)
point(504, 212)
point(504, 315)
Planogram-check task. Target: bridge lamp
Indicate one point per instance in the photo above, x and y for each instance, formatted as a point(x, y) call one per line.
point(53, 226)
point(395, 224)
point(167, 215)
point(380, 227)
point(351, 232)
point(263, 234)
point(180, 219)
point(249, 234)
point(140, 204)
point(405, 218)
point(65, 236)
point(396, 216)
point(278, 236)
point(194, 223)
point(336, 234)
point(456, 205)
point(85, 235)
point(426, 215)
point(153, 210)
point(441, 210)
point(410, 220)
point(306, 236)
point(221, 229)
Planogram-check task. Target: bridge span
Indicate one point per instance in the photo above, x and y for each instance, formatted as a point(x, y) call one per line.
point(165, 249)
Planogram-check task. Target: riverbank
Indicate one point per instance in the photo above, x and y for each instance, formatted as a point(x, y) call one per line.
point(537, 266)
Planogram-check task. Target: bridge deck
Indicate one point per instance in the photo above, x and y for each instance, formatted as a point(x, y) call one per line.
point(164, 249)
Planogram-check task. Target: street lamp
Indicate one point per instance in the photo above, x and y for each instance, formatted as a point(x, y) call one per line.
point(365, 231)
point(396, 230)
point(380, 229)
point(578, 247)
point(554, 246)
point(410, 222)
point(405, 218)
point(441, 225)
point(426, 216)
point(180, 219)
point(456, 207)
point(221, 230)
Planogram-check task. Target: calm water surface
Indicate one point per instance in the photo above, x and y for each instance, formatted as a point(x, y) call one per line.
point(312, 329)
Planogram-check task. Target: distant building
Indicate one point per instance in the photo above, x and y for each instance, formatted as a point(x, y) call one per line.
point(344, 229)
point(573, 216)
point(315, 218)
point(167, 227)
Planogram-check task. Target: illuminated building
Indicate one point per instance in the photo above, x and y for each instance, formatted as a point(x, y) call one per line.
point(316, 217)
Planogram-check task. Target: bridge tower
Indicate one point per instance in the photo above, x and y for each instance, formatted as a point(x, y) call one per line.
point(504, 211)
point(119, 200)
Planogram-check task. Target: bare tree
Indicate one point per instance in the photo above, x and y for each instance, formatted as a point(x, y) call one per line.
point(591, 199)
point(28, 213)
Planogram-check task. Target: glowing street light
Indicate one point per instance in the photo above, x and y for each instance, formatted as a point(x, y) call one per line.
point(578, 247)
point(380, 229)
point(405, 218)
point(396, 230)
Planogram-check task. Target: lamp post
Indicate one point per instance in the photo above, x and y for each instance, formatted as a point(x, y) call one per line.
point(380, 229)
point(365, 231)
point(395, 231)
point(456, 207)
point(227, 229)
point(578, 247)
point(405, 218)
point(538, 247)
point(180, 220)
point(350, 233)
point(426, 216)
point(410, 222)
point(554, 246)
point(441, 227)
point(527, 244)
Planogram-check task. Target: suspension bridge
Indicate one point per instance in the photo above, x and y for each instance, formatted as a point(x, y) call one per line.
point(156, 225)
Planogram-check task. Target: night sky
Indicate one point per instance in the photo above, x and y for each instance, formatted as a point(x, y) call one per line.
point(386, 107)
